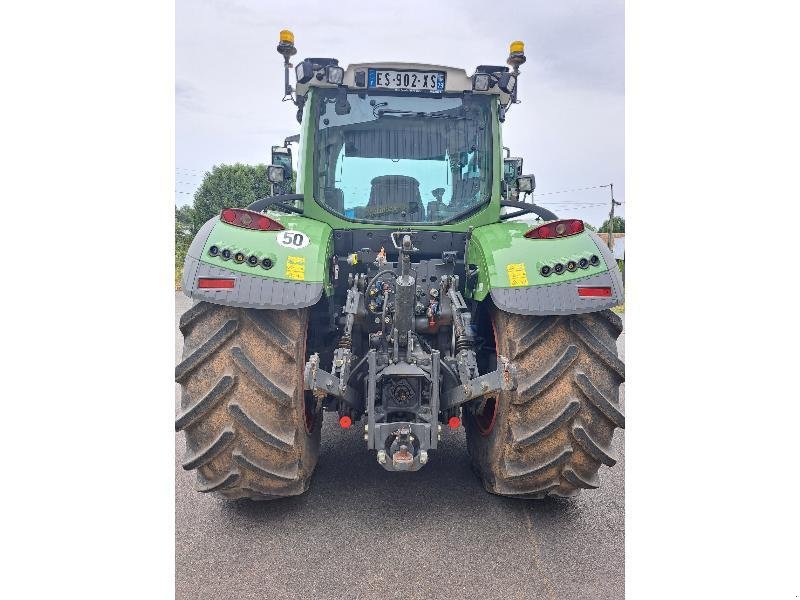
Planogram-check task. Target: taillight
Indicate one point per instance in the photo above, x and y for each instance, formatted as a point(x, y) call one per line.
point(215, 284)
point(595, 292)
point(249, 219)
point(555, 229)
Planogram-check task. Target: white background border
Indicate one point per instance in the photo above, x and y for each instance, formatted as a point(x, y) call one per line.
point(88, 324)
point(87, 355)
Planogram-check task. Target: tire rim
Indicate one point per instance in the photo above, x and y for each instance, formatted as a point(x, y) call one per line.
point(485, 421)
point(309, 402)
point(309, 412)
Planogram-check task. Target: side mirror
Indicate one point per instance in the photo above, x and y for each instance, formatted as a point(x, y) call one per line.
point(512, 169)
point(280, 171)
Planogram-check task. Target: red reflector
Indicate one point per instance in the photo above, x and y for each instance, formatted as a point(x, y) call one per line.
point(556, 229)
point(542, 232)
point(207, 282)
point(454, 422)
point(345, 422)
point(249, 219)
point(595, 292)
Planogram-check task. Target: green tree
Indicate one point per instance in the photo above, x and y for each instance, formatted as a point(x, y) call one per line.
point(227, 186)
point(589, 226)
point(619, 225)
point(183, 237)
point(183, 222)
point(224, 186)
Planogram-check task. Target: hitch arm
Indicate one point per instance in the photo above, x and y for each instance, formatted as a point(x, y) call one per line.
point(323, 383)
point(502, 379)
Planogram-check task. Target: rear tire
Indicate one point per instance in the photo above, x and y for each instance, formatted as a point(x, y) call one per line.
point(550, 436)
point(251, 430)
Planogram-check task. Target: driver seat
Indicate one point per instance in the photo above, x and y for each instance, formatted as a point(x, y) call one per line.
point(391, 195)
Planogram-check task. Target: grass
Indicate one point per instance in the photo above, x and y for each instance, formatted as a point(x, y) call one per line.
point(619, 309)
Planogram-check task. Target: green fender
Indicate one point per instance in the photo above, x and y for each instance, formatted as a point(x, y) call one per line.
point(299, 256)
point(509, 269)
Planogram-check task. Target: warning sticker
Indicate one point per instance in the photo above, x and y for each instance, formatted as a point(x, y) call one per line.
point(296, 267)
point(516, 274)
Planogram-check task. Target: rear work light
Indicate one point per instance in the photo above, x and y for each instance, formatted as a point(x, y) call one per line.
point(215, 284)
point(594, 292)
point(556, 229)
point(249, 219)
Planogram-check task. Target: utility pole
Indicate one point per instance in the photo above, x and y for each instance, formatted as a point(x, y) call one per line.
point(611, 219)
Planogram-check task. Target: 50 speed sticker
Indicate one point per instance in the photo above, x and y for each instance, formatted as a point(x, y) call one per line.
point(292, 239)
point(296, 267)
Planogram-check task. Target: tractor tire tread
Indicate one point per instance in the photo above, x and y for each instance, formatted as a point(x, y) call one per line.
point(243, 402)
point(206, 403)
point(207, 454)
point(551, 435)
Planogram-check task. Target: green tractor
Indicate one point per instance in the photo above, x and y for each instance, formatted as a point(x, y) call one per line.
point(408, 286)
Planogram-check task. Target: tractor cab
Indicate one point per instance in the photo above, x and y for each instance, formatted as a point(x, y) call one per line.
point(401, 143)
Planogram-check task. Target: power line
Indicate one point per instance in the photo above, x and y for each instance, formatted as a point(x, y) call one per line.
point(580, 189)
point(562, 205)
point(574, 202)
point(611, 219)
point(571, 209)
point(575, 208)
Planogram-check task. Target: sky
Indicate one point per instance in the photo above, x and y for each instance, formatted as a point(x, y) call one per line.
point(569, 127)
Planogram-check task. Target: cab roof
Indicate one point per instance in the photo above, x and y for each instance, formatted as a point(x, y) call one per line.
point(456, 80)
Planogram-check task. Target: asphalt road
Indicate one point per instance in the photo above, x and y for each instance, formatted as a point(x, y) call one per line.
point(362, 532)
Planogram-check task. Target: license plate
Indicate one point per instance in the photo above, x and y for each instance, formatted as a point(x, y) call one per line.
point(414, 81)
